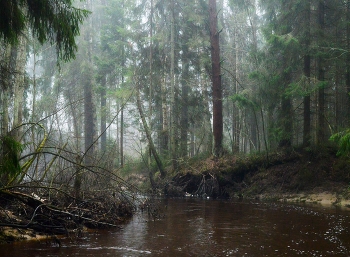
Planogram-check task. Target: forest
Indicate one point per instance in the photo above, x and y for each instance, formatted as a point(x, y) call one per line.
point(96, 95)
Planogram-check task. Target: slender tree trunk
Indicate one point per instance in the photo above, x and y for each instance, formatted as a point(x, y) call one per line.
point(5, 89)
point(76, 128)
point(286, 114)
point(216, 79)
point(340, 103)
point(4, 107)
point(321, 137)
point(89, 106)
point(254, 118)
point(150, 93)
point(89, 124)
point(173, 132)
point(253, 131)
point(184, 103)
point(33, 116)
point(235, 114)
point(122, 107)
point(164, 131)
point(263, 125)
point(347, 79)
point(286, 117)
point(192, 145)
point(148, 134)
point(286, 110)
point(207, 128)
point(18, 85)
point(235, 131)
point(307, 74)
point(103, 125)
point(5, 95)
point(165, 124)
point(122, 137)
point(118, 135)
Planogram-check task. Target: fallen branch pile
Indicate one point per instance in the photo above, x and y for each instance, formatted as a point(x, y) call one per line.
point(61, 213)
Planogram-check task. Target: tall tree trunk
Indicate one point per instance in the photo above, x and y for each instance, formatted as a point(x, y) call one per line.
point(321, 137)
point(34, 81)
point(216, 79)
point(173, 114)
point(235, 114)
point(164, 121)
point(165, 124)
point(18, 85)
point(254, 118)
point(5, 89)
point(89, 106)
point(103, 125)
point(307, 74)
point(207, 134)
point(4, 104)
point(150, 93)
point(347, 79)
point(286, 110)
point(122, 107)
point(184, 102)
point(122, 131)
point(286, 117)
point(89, 124)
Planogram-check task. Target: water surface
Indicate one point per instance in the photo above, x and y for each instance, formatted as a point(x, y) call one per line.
point(195, 227)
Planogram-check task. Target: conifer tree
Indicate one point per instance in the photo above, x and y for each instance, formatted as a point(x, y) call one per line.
point(216, 79)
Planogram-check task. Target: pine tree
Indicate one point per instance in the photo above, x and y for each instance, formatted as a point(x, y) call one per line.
point(216, 79)
point(54, 21)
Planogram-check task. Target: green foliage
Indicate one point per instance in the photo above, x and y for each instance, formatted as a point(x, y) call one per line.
point(342, 139)
point(294, 89)
point(9, 162)
point(322, 84)
point(121, 93)
point(243, 101)
point(54, 21)
point(12, 20)
point(283, 41)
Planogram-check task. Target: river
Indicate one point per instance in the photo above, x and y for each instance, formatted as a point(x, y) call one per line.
point(197, 227)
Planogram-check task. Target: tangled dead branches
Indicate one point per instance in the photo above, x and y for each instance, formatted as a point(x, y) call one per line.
point(61, 213)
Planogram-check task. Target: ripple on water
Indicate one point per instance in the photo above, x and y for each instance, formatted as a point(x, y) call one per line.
point(124, 249)
point(214, 228)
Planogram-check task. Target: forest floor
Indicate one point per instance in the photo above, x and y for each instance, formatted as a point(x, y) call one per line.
point(315, 176)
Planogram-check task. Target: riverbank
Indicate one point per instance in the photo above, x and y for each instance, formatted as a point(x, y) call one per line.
point(323, 198)
point(313, 176)
point(9, 235)
point(26, 216)
point(297, 176)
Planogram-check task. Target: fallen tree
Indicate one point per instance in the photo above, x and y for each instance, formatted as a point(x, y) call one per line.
point(38, 189)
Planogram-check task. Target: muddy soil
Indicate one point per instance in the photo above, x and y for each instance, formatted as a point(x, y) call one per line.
point(317, 176)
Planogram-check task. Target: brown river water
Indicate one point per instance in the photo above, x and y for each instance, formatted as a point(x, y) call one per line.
point(197, 227)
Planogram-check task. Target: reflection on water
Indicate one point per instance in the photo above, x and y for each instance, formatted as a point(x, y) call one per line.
point(194, 227)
